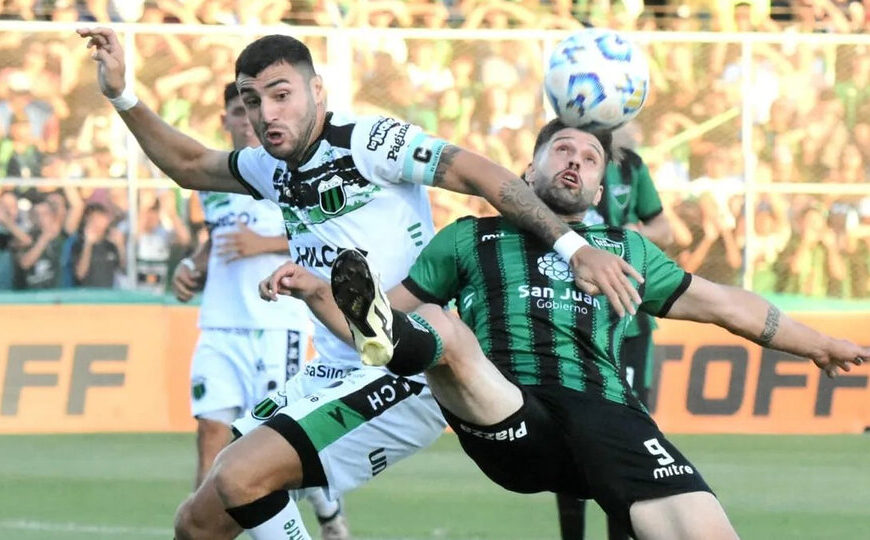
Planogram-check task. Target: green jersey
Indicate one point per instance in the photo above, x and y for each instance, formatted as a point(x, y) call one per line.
point(629, 196)
point(518, 297)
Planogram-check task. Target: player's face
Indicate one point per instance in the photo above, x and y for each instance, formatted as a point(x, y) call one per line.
point(235, 121)
point(283, 106)
point(567, 172)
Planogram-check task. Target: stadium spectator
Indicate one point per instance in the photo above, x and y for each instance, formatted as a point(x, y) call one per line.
point(811, 260)
point(94, 256)
point(772, 233)
point(160, 229)
point(38, 265)
point(13, 237)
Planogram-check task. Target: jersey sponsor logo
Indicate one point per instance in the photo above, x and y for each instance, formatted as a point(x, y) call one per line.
point(617, 248)
point(327, 372)
point(231, 219)
point(491, 236)
point(378, 133)
point(570, 299)
point(398, 143)
point(197, 387)
point(553, 266)
point(378, 459)
point(269, 406)
point(319, 257)
point(672, 470)
point(331, 195)
point(509, 434)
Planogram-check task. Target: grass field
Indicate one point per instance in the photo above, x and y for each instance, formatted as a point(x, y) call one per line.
point(76, 487)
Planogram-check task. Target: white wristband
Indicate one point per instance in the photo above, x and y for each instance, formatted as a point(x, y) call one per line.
point(567, 244)
point(188, 262)
point(127, 100)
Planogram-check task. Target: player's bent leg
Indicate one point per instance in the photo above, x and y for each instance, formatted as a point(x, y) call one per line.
point(464, 381)
point(202, 515)
point(252, 476)
point(687, 516)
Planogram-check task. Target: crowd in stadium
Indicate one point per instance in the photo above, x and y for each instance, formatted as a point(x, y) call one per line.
point(484, 95)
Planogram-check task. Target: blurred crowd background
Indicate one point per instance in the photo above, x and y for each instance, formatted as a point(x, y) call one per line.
point(759, 145)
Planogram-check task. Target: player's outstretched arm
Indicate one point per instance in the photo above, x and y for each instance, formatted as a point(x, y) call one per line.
point(596, 271)
point(189, 163)
point(748, 315)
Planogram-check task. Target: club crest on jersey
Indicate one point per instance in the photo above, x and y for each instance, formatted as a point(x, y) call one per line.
point(197, 387)
point(269, 406)
point(617, 248)
point(621, 194)
point(331, 195)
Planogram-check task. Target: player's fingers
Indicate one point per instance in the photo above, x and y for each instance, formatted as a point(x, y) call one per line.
point(624, 290)
point(629, 286)
point(613, 297)
point(630, 270)
point(587, 286)
point(265, 289)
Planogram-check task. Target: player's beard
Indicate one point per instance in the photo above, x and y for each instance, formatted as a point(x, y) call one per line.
point(561, 200)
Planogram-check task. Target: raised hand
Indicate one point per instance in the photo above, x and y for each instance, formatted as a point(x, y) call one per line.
point(599, 272)
point(290, 279)
point(109, 55)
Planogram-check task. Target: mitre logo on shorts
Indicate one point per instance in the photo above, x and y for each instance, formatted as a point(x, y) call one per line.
point(617, 248)
point(554, 267)
point(197, 387)
point(331, 195)
point(378, 134)
point(269, 406)
point(509, 434)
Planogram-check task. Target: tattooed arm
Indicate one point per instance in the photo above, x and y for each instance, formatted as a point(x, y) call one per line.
point(748, 315)
point(596, 271)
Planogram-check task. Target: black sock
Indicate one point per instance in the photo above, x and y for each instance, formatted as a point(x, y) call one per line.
point(260, 511)
point(417, 345)
point(572, 516)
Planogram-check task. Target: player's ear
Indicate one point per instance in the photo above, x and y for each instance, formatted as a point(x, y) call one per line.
point(598, 194)
point(528, 175)
point(316, 86)
point(224, 120)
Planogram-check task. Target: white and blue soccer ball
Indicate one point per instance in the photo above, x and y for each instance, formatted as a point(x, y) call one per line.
point(597, 79)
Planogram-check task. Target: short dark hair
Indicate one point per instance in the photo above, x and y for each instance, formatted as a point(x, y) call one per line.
point(605, 137)
point(269, 50)
point(231, 91)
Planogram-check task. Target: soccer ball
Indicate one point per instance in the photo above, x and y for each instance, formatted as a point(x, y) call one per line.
point(597, 79)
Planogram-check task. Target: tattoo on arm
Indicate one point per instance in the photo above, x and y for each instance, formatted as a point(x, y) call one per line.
point(771, 325)
point(448, 154)
point(518, 203)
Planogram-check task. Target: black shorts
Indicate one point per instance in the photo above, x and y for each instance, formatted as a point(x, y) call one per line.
point(586, 447)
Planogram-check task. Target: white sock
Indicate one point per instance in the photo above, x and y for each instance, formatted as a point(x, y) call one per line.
point(286, 525)
point(324, 507)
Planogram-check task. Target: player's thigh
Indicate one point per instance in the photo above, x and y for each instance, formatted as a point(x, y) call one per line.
point(347, 433)
point(466, 382)
point(623, 455)
point(261, 460)
point(219, 375)
point(525, 452)
point(687, 516)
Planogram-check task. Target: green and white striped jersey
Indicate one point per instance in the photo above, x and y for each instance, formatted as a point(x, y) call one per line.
point(518, 297)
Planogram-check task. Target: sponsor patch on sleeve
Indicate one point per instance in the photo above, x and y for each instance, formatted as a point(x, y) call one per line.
point(421, 159)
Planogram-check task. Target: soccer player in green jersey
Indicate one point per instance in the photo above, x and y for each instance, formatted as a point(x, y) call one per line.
point(629, 199)
point(529, 377)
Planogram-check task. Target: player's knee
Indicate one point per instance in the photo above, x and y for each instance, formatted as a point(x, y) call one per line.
point(187, 525)
point(233, 479)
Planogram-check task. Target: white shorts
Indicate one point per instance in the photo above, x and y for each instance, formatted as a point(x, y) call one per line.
point(352, 428)
point(236, 368)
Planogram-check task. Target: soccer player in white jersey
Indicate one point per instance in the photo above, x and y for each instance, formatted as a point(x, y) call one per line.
point(341, 182)
point(247, 347)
